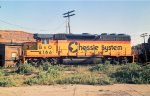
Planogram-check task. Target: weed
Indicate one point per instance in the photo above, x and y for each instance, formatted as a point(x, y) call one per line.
point(146, 74)
point(107, 68)
point(100, 74)
point(47, 66)
point(84, 79)
point(11, 80)
point(25, 68)
point(1, 73)
point(46, 76)
point(128, 74)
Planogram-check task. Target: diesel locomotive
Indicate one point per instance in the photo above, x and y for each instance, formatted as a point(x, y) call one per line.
point(78, 48)
point(141, 52)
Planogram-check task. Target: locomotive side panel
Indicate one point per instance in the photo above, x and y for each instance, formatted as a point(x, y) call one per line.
point(99, 48)
point(116, 48)
point(62, 48)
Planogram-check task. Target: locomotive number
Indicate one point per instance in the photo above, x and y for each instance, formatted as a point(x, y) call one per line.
point(45, 52)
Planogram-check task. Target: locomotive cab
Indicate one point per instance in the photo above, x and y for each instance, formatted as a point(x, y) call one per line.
point(29, 47)
point(43, 46)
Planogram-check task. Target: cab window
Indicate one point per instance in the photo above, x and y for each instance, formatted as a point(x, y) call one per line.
point(45, 41)
point(30, 46)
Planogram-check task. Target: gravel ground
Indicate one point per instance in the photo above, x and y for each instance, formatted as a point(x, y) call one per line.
point(78, 90)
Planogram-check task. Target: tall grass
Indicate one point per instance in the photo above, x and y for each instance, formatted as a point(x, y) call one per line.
point(133, 74)
point(25, 69)
point(11, 80)
point(56, 75)
point(146, 74)
point(101, 67)
point(47, 66)
point(101, 74)
point(128, 74)
point(105, 68)
point(47, 75)
point(87, 79)
point(1, 73)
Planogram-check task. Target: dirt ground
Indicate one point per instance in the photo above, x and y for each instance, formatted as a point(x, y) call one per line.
point(78, 90)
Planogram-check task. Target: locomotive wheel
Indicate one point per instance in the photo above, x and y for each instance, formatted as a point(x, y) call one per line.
point(53, 61)
point(95, 61)
point(115, 61)
point(106, 61)
point(124, 60)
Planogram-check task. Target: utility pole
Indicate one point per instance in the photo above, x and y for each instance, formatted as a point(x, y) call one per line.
point(145, 53)
point(144, 35)
point(68, 15)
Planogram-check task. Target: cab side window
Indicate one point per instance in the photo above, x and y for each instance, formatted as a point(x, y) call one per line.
point(45, 41)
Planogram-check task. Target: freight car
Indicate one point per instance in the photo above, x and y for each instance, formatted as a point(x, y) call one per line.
point(142, 52)
point(78, 48)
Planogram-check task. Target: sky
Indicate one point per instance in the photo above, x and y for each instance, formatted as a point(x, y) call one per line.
point(91, 16)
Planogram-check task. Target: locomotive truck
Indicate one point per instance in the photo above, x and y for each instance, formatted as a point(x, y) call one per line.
point(78, 48)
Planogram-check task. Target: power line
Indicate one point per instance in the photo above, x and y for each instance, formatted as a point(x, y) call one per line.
point(19, 26)
point(29, 28)
point(59, 26)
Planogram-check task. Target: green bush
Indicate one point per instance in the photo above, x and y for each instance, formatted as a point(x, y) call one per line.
point(25, 68)
point(47, 77)
point(1, 73)
point(101, 67)
point(7, 81)
point(128, 74)
point(101, 74)
point(41, 79)
point(84, 79)
point(54, 73)
point(46, 66)
point(146, 74)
